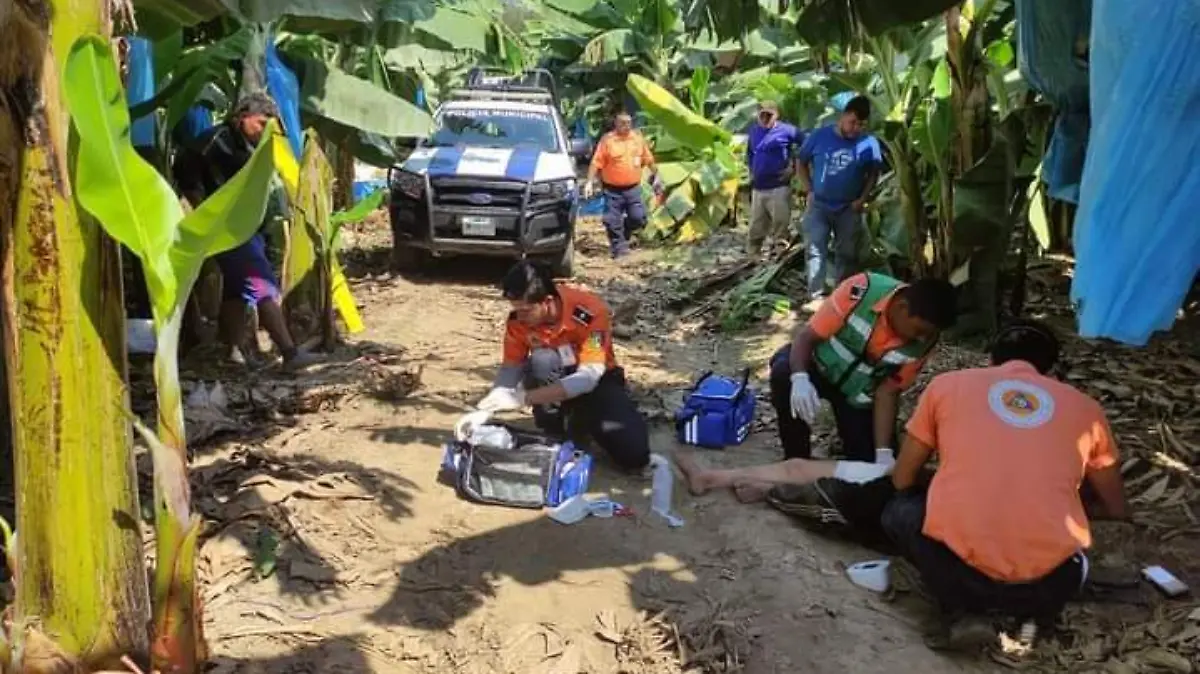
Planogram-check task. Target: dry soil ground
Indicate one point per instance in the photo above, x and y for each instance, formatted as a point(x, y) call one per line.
point(333, 548)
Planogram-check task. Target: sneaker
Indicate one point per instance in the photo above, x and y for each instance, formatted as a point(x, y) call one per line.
point(246, 358)
point(300, 360)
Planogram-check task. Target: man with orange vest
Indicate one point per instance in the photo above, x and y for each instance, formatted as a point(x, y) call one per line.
point(618, 162)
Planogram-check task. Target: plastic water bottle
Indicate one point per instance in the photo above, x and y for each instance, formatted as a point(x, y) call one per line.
point(661, 487)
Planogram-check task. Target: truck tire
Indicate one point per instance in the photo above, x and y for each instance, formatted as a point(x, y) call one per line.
point(563, 266)
point(409, 259)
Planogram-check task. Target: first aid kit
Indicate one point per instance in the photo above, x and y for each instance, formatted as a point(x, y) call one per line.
point(501, 465)
point(717, 412)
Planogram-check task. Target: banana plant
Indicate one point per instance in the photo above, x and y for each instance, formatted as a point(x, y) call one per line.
point(80, 596)
point(137, 207)
point(703, 180)
point(309, 257)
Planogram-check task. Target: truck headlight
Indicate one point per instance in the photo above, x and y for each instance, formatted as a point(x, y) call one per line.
point(555, 189)
point(407, 183)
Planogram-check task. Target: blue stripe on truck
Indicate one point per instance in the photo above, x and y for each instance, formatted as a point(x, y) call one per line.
point(522, 164)
point(444, 161)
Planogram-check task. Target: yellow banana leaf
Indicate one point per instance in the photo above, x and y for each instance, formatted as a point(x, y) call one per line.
point(678, 119)
point(289, 173)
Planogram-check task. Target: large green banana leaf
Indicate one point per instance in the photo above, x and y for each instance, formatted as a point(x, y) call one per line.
point(334, 94)
point(833, 21)
point(134, 203)
point(456, 30)
point(611, 46)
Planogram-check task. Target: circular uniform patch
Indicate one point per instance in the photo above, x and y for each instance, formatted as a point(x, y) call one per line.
point(1020, 404)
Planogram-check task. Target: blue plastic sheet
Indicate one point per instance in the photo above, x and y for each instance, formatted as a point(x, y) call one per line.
point(140, 88)
point(840, 100)
point(197, 120)
point(283, 86)
point(1137, 241)
point(1049, 35)
point(365, 188)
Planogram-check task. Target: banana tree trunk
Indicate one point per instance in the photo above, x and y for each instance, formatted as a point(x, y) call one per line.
point(307, 267)
point(343, 184)
point(81, 593)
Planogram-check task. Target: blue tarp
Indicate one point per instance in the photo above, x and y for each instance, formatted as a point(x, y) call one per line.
point(1049, 40)
point(1137, 241)
point(283, 86)
point(140, 88)
point(197, 120)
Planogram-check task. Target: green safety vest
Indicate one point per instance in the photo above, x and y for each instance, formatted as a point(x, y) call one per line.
point(842, 359)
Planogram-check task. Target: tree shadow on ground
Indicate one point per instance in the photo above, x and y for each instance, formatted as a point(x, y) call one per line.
point(258, 501)
point(335, 655)
point(449, 582)
point(377, 263)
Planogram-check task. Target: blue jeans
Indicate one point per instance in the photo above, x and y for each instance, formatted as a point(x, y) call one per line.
point(821, 222)
point(624, 214)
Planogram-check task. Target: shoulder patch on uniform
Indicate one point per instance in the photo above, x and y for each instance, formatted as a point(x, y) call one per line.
point(582, 315)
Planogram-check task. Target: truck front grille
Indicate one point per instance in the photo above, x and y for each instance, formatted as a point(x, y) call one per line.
point(474, 192)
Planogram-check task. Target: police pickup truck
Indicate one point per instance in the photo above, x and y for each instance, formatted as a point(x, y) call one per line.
point(496, 177)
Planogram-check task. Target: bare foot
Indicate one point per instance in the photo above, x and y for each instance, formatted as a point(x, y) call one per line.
point(697, 478)
point(751, 492)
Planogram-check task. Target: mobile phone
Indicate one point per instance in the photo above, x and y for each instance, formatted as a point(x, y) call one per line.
point(1165, 581)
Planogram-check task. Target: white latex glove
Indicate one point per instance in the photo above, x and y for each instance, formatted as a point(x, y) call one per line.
point(502, 399)
point(805, 401)
point(885, 456)
point(860, 472)
point(589, 189)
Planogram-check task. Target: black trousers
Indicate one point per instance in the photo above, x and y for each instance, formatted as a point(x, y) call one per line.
point(958, 587)
point(606, 415)
point(855, 425)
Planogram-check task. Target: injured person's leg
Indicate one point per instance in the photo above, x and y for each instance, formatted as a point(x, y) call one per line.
point(753, 480)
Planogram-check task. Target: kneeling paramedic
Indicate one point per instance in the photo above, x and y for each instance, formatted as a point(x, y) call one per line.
point(1003, 525)
point(558, 358)
point(865, 344)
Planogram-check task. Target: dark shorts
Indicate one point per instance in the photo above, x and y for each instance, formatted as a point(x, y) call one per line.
point(959, 588)
point(247, 274)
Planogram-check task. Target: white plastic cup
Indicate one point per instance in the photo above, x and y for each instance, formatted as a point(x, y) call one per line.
point(872, 575)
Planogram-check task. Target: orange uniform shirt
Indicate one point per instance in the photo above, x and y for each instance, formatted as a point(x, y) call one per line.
point(1013, 446)
point(620, 160)
point(831, 317)
point(582, 335)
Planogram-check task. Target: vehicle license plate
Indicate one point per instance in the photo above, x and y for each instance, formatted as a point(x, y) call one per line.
point(477, 226)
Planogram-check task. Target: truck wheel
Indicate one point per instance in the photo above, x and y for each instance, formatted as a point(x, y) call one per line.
point(409, 258)
point(563, 265)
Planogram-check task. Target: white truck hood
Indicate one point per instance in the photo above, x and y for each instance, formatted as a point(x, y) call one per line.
point(527, 164)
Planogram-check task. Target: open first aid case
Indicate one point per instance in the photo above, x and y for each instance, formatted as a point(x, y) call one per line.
point(503, 465)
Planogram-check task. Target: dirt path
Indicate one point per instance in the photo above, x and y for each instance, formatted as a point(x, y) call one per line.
point(387, 571)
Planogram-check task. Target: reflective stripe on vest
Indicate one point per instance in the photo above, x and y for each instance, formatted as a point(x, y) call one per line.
point(842, 358)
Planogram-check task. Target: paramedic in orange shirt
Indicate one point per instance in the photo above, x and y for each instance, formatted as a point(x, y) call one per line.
point(619, 161)
point(1002, 528)
point(558, 358)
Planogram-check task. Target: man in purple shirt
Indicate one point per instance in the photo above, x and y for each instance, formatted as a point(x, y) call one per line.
point(769, 154)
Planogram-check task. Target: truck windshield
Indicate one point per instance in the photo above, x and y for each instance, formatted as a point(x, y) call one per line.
point(504, 129)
